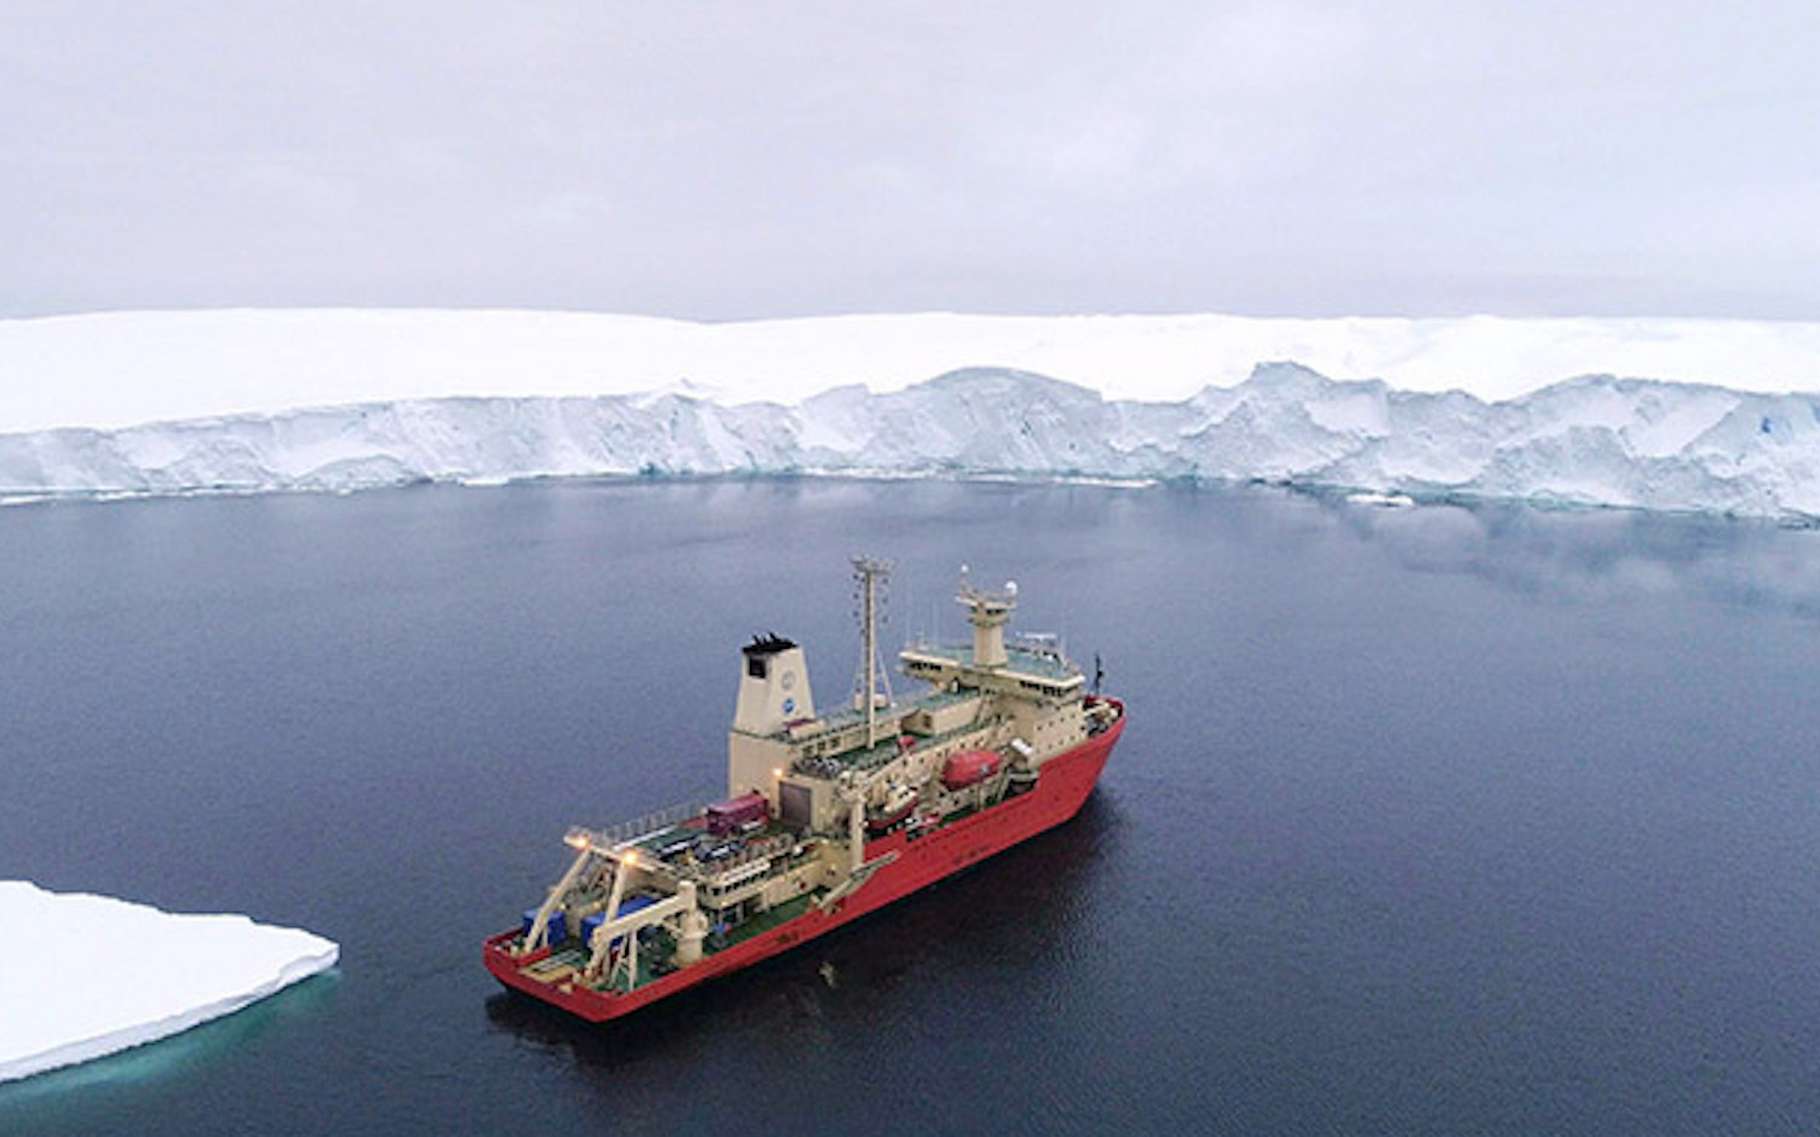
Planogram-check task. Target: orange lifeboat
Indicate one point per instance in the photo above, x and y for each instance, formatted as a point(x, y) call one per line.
point(970, 766)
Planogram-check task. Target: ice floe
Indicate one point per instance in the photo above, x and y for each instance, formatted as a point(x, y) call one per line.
point(92, 975)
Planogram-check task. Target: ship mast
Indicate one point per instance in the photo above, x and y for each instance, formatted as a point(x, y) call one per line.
point(869, 575)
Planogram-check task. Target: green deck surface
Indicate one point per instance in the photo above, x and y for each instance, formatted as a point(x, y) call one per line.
point(754, 926)
point(885, 751)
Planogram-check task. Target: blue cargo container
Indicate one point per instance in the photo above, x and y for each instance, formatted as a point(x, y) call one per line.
point(627, 906)
point(559, 925)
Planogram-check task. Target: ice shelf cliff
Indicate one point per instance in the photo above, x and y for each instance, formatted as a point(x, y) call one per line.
point(1592, 440)
point(123, 974)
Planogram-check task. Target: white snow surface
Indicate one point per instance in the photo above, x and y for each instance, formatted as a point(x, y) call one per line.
point(114, 369)
point(120, 974)
point(249, 401)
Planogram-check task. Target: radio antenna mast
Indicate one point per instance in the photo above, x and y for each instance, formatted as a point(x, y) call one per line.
point(869, 578)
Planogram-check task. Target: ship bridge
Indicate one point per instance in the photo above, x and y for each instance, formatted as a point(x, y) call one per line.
point(1031, 669)
point(1012, 694)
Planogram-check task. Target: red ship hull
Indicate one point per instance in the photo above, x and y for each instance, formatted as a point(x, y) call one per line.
point(1059, 794)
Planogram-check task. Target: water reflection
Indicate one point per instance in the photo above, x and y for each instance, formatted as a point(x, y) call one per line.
point(1595, 555)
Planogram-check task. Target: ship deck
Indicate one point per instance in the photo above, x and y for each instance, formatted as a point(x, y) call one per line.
point(906, 862)
point(565, 962)
point(870, 758)
point(928, 701)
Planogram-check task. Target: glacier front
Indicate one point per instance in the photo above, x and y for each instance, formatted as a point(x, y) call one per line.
point(124, 974)
point(1593, 440)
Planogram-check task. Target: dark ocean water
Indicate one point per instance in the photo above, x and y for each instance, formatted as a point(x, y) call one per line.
point(1432, 821)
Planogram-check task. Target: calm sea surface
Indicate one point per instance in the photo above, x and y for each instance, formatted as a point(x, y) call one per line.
point(1431, 821)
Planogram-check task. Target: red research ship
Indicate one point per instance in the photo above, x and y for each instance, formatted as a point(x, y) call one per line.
point(828, 816)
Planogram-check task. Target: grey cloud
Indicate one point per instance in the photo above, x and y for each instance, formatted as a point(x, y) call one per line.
point(748, 159)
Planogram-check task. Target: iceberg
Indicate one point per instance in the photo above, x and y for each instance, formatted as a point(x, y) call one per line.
point(490, 397)
point(127, 974)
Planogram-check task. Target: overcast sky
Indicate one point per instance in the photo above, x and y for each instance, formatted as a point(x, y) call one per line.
point(734, 160)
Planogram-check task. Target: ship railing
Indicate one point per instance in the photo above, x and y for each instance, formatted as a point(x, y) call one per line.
point(625, 832)
point(928, 644)
point(1046, 644)
point(767, 847)
point(973, 593)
